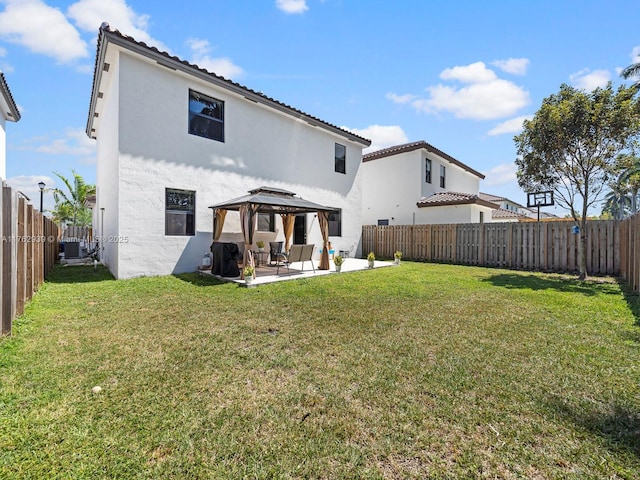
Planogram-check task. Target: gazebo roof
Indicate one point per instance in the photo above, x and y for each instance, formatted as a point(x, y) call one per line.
point(273, 200)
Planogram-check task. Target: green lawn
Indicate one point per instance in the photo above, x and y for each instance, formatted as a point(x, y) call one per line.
point(416, 371)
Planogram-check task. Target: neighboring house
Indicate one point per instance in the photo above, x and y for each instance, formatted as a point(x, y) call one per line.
point(174, 139)
point(512, 211)
point(416, 183)
point(10, 113)
point(508, 211)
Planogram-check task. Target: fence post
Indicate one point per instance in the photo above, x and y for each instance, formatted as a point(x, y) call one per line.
point(9, 260)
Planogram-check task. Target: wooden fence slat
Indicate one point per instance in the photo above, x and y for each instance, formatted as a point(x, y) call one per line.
point(545, 246)
point(25, 238)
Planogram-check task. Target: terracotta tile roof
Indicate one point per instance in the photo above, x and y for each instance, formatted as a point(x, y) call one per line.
point(109, 35)
point(494, 198)
point(13, 114)
point(453, 198)
point(409, 147)
point(491, 198)
point(503, 213)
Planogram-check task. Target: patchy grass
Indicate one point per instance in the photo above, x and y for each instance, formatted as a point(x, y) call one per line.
point(415, 371)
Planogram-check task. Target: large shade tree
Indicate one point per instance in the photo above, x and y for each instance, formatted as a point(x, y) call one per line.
point(71, 203)
point(571, 146)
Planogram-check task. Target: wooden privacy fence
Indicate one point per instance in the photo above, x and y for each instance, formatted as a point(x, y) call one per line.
point(29, 250)
point(544, 246)
point(630, 251)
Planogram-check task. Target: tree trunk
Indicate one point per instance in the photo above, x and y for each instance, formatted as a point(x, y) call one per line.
point(582, 246)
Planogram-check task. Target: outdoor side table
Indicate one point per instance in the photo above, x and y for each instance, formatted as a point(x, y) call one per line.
point(261, 257)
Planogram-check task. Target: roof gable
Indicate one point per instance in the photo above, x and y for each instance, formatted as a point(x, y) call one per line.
point(9, 107)
point(453, 198)
point(410, 147)
point(107, 36)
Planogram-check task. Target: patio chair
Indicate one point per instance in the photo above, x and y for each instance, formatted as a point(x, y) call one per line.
point(276, 255)
point(298, 253)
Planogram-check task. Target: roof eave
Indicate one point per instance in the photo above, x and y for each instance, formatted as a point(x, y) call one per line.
point(13, 114)
point(107, 36)
point(410, 147)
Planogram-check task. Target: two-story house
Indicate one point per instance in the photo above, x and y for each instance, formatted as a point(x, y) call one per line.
point(416, 183)
point(174, 139)
point(9, 113)
point(508, 211)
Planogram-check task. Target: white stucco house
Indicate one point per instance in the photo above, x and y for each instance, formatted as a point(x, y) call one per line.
point(416, 183)
point(508, 211)
point(9, 113)
point(174, 139)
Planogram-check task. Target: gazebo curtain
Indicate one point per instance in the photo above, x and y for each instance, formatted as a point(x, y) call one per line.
point(323, 221)
point(288, 220)
point(249, 224)
point(218, 223)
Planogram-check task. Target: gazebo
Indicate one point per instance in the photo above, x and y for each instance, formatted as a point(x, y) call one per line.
point(272, 200)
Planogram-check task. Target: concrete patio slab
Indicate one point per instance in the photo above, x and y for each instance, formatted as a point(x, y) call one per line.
point(266, 274)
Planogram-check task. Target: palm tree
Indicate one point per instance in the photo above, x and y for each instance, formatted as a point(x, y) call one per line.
point(617, 202)
point(71, 205)
point(630, 178)
point(632, 71)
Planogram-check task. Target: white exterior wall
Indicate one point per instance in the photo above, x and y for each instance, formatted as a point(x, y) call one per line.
point(453, 214)
point(3, 148)
point(106, 211)
point(262, 147)
point(393, 186)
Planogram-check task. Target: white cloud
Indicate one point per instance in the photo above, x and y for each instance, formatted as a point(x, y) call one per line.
point(28, 185)
point(381, 136)
point(481, 101)
point(89, 15)
point(635, 54)
point(515, 66)
point(590, 80)
point(42, 29)
point(220, 66)
point(402, 99)
point(499, 175)
point(292, 6)
point(474, 73)
point(484, 97)
point(513, 125)
point(74, 143)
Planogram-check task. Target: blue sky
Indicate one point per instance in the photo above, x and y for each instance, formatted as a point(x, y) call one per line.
point(461, 75)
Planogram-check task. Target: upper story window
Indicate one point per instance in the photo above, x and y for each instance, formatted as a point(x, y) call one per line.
point(206, 116)
point(427, 170)
point(180, 212)
point(266, 222)
point(335, 224)
point(443, 172)
point(341, 158)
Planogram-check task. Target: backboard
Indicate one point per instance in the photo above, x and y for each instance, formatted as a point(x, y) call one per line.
point(540, 199)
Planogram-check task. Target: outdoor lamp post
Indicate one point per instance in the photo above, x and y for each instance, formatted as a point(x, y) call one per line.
point(41, 185)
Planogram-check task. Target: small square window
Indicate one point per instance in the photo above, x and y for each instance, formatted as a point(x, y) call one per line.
point(206, 116)
point(180, 212)
point(335, 224)
point(340, 158)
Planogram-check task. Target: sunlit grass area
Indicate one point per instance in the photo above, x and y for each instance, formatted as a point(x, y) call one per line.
point(414, 371)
